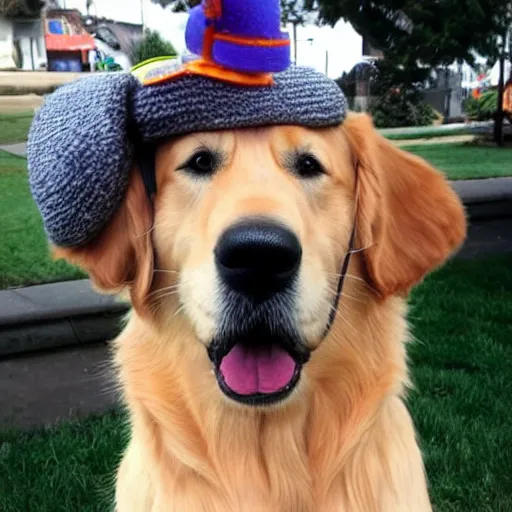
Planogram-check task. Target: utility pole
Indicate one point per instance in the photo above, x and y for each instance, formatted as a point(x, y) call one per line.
point(142, 14)
point(295, 52)
point(498, 122)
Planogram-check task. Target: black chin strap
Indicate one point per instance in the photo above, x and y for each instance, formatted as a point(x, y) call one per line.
point(341, 280)
point(146, 154)
point(346, 263)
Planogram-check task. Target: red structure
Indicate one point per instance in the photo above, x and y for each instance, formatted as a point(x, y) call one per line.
point(67, 42)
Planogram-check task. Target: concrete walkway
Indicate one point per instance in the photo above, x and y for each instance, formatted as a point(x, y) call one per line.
point(18, 149)
point(50, 316)
point(474, 127)
point(43, 389)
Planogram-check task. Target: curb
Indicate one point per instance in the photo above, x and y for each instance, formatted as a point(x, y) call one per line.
point(486, 199)
point(57, 315)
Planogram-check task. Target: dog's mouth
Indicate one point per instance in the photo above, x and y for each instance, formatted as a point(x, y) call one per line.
point(257, 370)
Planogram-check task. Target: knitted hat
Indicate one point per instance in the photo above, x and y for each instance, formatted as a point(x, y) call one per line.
point(84, 139)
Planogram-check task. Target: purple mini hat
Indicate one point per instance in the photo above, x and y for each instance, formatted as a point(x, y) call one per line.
point(246, 36)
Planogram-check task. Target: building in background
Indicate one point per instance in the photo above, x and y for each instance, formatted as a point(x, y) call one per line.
point(68, 44)
point(114, 39)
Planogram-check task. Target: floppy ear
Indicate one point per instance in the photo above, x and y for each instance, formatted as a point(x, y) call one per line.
point(121, 256)
point(409, 218)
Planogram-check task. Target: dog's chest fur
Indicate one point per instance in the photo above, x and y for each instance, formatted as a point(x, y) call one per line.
point(347, 445)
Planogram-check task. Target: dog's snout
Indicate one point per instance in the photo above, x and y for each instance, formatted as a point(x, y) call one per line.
point(258, 256)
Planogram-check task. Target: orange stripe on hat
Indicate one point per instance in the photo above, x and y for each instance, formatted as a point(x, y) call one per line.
point(251, 41)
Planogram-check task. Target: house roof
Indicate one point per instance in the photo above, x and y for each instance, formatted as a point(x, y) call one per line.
point(74, 37)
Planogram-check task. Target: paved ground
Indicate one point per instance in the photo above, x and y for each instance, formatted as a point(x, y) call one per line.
point(434, 140)
point(43, 389)
point(20, 103)
point(18, 149)
point(488, 237)
point(13, 83)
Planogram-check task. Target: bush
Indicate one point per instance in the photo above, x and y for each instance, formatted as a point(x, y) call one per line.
point(151, 46)
point(398, 108)
point(483, 108)
point(396, 97)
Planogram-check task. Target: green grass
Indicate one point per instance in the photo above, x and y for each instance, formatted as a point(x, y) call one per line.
point(466, 161)
point(463, 375)
point(14, 127)
point(24, 254)
point(426, 134)
point(65, 470)
point(462, 370)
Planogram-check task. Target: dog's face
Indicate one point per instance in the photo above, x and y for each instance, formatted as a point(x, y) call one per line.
point(255, 223)
point(247, 237)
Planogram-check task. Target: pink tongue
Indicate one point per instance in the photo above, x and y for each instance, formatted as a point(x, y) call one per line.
point(251, 370)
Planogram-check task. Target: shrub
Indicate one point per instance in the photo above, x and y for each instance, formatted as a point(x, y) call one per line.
point(152, 45)
point(397, 108)
point(483, 108)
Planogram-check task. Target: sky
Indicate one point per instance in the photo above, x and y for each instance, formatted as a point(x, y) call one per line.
point(342, 44)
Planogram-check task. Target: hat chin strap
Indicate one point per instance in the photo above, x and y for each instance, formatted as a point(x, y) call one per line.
point(341, 280)
point(146, 154)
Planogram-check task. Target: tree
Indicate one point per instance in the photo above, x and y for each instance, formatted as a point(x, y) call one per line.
point(430, 32)
point(15, 8)
point(152, 45)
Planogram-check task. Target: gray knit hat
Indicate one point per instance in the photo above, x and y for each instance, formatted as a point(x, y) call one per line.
point(83, 141)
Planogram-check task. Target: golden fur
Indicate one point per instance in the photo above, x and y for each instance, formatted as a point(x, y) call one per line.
point(344, 441)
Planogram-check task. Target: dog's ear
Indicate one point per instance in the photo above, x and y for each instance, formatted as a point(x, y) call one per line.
point(121, 256)
point(409, 218)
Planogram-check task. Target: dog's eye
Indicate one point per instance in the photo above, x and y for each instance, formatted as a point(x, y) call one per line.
point(307, 166)
point(203, 163)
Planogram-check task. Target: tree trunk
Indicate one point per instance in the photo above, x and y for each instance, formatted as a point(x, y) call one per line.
point(498, 122)
point(447, 94)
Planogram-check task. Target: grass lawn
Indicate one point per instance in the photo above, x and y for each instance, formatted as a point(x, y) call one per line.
point(14, 127)
point(24, 254)
point(462, 408)
point(466, 161)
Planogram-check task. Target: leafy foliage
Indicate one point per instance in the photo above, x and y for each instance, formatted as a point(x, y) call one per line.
point(402, 107)
point(14, 8)
point(483, 108)
point(399, 97)
point(434, 32)
point(152, 45)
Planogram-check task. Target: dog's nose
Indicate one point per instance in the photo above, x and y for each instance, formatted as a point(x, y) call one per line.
point(257, 257)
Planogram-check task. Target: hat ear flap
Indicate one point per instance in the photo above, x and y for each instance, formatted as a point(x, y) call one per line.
point(79, 156)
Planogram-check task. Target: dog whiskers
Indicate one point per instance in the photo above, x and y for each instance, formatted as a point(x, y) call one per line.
point(362, 249)
point(163, 291)
point(149, 231)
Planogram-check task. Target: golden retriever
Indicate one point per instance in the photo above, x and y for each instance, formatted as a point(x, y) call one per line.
point(241, 395)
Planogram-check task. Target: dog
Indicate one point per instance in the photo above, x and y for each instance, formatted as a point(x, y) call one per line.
point(260, 374)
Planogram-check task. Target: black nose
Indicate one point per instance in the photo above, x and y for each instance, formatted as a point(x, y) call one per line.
point(257, 257)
